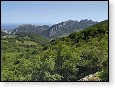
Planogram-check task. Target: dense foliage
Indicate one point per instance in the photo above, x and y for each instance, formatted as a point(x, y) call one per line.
point(64, 59)
point(33, 37)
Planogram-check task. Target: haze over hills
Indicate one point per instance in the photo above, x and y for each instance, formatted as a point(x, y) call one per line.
point(54, 31)
point(9, 26)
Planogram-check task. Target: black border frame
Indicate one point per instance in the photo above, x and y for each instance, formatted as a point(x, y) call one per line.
point(63, 81)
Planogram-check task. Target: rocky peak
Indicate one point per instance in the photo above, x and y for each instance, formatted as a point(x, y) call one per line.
point(69, 26)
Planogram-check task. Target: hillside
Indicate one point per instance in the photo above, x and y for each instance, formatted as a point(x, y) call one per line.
point(26, 36)
point(69, 58)
point(87, 51)
point(33, 37)
point(40, 30)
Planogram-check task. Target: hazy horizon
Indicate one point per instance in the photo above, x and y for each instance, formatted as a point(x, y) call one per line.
point(44, 23)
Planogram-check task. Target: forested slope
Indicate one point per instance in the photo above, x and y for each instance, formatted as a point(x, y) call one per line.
point(64, 59)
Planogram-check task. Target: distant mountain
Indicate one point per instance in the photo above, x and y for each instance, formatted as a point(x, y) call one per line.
point(7, 28)
point(69, 27)
point(56, 30)
point(41, 30)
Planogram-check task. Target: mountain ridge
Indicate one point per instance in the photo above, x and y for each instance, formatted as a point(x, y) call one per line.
point(54, 31)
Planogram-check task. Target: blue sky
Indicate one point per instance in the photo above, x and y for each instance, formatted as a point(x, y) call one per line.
point(43, 12)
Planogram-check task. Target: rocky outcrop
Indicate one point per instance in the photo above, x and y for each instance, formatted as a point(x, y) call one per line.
point(91, 77)
point(69, 26)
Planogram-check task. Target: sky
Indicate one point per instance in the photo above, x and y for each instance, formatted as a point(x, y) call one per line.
point(51, 12)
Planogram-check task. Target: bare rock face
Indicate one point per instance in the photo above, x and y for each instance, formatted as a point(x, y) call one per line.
point(91, 77)
point(57, 28)
point(69, 26)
